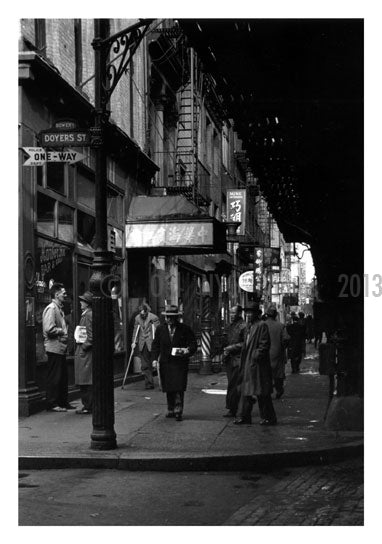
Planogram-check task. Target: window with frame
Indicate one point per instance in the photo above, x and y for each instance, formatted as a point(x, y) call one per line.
point(55, 177)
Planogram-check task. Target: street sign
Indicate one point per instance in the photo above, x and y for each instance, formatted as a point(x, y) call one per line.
point(38, 156)
point(60, 138)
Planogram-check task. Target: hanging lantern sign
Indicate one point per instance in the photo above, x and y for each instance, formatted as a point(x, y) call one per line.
point(246, 281)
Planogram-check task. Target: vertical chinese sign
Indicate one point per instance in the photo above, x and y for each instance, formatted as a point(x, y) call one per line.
point(237, 207)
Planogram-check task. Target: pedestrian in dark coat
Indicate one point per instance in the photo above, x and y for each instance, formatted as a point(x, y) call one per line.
point(173, 344)
point(231, 358)
point(279, 341)
point(297, 335)
point(256, 372)
point(83, 358)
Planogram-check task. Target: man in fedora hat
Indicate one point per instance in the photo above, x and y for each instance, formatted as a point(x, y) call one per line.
point(173, 344)
point(279, 341)
point(256, 371)
point(83, 357)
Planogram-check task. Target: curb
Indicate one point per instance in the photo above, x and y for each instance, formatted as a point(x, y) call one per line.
point(222, 462)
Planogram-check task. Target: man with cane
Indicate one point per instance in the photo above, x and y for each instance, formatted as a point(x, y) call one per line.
point(143, 335)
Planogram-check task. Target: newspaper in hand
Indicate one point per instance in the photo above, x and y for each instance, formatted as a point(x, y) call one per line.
point(80, 335)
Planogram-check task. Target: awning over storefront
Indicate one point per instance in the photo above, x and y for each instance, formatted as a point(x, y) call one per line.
point(172, 225)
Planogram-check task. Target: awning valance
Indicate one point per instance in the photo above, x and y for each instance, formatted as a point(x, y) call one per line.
point(163, 225)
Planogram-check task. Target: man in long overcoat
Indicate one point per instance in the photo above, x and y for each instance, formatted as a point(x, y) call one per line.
point(83, 357)
point(231, 358)
point(279, 341)
point(256, 371)
point(173, 344)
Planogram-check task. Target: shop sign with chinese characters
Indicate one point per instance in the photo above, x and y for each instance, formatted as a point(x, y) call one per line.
point(161, 234)
point(236, 207)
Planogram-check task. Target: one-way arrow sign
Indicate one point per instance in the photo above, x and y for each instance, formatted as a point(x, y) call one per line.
point(38, 156)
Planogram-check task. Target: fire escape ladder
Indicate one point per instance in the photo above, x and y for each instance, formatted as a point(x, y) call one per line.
point(186, 166)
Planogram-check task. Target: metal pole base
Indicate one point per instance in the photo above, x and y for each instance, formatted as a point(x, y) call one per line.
point(206, 367)
point(103, 440)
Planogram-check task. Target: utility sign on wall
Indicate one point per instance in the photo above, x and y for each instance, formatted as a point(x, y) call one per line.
point(236, 207)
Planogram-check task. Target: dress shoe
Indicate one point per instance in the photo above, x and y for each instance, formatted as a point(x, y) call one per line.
point(83, 411)
point(170, 414)
point(268, 422)
point(243, 421)
point(178, 417)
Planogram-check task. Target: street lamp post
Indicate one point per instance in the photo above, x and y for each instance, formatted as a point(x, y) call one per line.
point(124, 44)
point(206, 364)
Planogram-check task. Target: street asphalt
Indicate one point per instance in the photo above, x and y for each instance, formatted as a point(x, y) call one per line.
point(204, 440)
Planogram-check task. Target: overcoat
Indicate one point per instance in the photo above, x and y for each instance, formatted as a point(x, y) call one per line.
point(255, 362)
point(173, 369)
point(297, 336)
point(84, 353)
point(279, 341)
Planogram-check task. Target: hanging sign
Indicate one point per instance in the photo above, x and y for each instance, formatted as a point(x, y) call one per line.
point(38, 156)
point(246, 281)
point(236, 207)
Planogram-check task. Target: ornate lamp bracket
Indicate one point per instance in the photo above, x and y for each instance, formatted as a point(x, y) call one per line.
point(119, 47)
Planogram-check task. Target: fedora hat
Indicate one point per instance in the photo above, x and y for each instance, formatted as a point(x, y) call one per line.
point(87, 297)
point(272, 310)
point(171, 310)
point(253, 307)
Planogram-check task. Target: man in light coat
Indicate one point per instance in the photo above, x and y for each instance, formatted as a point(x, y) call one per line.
point(55, 333)
point(256, 371)
point(279, 341)
point(83, 358)
point(145, 324)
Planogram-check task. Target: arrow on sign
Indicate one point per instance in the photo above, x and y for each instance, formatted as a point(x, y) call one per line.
point(38, 156)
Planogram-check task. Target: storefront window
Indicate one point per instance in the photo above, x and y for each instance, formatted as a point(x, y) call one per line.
point(114, 205)
point(65, 223)
point(53, 264)
point(55, 176)
point(86, 188)
point(45, 214)
point(85, 230)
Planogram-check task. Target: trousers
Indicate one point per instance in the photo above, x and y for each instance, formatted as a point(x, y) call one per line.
point(266, 409)
point(233, 396)
point(87, 396)
point(146, 366)
point(175, 402)
point(56, 381)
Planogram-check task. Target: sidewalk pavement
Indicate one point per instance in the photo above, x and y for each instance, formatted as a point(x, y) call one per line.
point(204, 440)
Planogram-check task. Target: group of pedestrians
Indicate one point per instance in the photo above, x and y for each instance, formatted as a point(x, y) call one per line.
point(55, 333)
point(255, 358)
